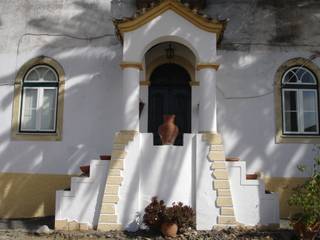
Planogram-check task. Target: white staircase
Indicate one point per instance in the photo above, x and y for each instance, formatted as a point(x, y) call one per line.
point(79, 208)
point(252, 205)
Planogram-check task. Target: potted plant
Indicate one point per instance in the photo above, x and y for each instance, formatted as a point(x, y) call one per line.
point(153, 215)
point(307, 197)
point(168, 220)
point(177, 217)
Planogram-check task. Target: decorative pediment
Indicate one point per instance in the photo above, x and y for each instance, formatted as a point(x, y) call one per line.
point(195, 17)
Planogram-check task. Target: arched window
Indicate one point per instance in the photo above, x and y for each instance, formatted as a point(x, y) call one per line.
point(297, 102)
point(300, 101)
point(38, 100)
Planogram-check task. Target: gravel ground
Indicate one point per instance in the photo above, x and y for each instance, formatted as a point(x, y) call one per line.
point(26, 229)
point(222, 234)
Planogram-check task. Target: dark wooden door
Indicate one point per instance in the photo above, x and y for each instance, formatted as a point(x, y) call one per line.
point(173, 97)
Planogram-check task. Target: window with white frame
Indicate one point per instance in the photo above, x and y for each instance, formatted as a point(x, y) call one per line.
point(300, 115)
point(40, 88)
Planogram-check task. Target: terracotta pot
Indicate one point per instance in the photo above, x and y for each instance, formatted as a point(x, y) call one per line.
point(304, 233)
point(105, 157)
point(85, 169)
point(169, 229)
point(168, 131)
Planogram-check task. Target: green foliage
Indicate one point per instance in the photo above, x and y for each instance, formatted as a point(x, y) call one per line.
point(307, 195)
point(157, 213)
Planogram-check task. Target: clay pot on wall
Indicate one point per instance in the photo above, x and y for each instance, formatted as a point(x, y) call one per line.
point(168, 131)
point(169, 229)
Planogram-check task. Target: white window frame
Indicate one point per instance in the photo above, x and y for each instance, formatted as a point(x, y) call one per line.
point(299, 80)
point(300, 111)
point(40, 96)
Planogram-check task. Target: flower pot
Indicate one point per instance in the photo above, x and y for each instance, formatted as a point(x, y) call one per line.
point(85, 169)
point(168, 131)
point(169, 229)
point(105, 157)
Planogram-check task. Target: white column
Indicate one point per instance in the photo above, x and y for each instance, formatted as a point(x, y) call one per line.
point(130, 96)
point(208, 102)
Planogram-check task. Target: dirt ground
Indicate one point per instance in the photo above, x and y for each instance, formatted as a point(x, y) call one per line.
point(222, 234)
point(26, 229)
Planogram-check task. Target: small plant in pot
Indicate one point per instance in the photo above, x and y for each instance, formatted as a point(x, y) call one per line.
point(153, 215)
point(307, 197)
point(176, 218)
point(168, 220)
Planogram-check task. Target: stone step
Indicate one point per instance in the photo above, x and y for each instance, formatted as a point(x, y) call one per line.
point(216, 148)
point(120, 138)
point(116, 164)
point(109, 227)
point(110, 198)
point(213, 139)
point(111, 189)
point(118, 154)
point(224, 202)
point(227, 220)
point(220, 174)
point(216, 156)
point(221, 184)
point(218, 165)
point(118, 146)
point(226, 211)
point(108, 218)
point(223, 193)
point(108, 208)
point(114, 172)
point(114, 180)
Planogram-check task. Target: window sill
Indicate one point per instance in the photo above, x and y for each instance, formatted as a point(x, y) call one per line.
point(20, 136)
point(297, 139)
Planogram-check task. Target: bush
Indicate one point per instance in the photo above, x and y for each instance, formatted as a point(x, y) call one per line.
point(157, 213)
point(180, 214)
point(307, 196)
point(153, 215)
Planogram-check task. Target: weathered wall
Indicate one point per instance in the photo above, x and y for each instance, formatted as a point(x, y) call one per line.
point(260, 36)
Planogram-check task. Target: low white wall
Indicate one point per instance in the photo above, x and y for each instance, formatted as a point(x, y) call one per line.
point(206, 209)
point(166, 171)
point(128, 205)
point(252, 206)
point(82, 203)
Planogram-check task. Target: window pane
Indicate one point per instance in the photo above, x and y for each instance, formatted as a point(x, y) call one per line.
point(33, 76)
point(291, 122)
point(50, 76)
point(309, 101)
point(42, 71)
point(48, 109)
point(290, 77)
point(29, 109)
point(307, 78)
point(310, 122)
point(290, 100)
point(299, 72)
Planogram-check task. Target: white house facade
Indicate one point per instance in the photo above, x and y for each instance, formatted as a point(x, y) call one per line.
point(84, 79)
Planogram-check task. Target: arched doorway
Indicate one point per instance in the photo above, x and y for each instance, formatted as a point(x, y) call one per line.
point(169, 93)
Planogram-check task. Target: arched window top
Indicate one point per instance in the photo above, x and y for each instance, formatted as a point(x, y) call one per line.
point(299, 75)
point(41, 73)
point(38, 100)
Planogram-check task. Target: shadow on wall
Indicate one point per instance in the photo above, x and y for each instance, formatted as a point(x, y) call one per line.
point(87, 40)
point(248, 123)
point(81, 141)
